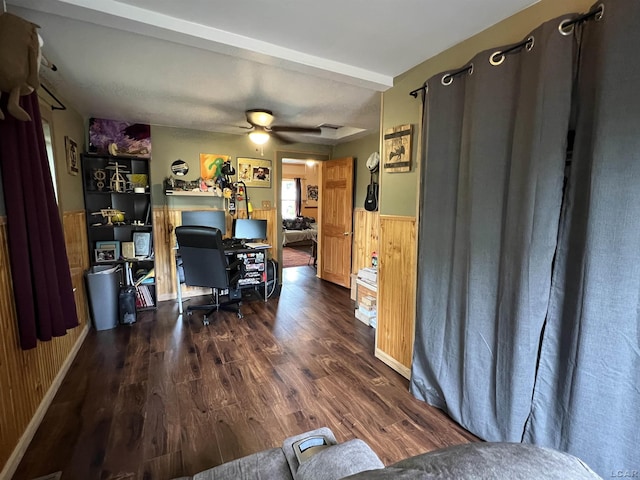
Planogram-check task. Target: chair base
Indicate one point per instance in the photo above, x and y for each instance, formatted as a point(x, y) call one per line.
point(214, 307)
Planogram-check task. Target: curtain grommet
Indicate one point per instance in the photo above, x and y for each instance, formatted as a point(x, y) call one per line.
point(447, 79)
point(563, 29)
point(600, 13)
point(529, 44)
point(497, 58)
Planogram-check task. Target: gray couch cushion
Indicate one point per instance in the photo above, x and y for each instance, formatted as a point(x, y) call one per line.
point(481, 461)
point(339, 461)
point(332, 463)
point(265, 465)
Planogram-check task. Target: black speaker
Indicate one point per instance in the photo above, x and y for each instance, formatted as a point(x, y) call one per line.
point(127, 305)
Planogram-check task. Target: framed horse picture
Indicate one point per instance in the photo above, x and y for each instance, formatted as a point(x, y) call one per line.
point(397, 149)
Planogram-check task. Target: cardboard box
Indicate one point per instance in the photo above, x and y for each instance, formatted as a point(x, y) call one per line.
point(363, 289)
point(368, 301)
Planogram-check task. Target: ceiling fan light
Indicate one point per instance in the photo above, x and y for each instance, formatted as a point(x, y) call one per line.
point(259, 137)
point(261, 117)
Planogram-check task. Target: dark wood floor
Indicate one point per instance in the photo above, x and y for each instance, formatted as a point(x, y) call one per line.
point(169, 397)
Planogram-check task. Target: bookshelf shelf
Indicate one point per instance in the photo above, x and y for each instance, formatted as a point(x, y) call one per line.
point(115, 212)
point(189, 193)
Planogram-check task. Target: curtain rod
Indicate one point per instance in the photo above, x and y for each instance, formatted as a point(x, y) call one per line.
point(498, 57)
point(414, 93)
point(447, 78)
point(596, 13)
point(54, 107)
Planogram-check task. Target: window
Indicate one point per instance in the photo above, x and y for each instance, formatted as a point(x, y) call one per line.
point(47, 130)
point(288, 199)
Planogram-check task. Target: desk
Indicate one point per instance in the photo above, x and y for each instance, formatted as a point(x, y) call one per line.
point(242, 252)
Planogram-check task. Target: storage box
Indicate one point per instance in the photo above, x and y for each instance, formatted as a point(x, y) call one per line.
point(364, 289)
point(368, 311)
point(368, 301)
point(367, 320)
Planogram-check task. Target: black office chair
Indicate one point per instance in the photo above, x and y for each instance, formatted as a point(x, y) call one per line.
point(205, 265)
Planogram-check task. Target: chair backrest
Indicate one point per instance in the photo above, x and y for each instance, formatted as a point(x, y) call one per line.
point(203, 258)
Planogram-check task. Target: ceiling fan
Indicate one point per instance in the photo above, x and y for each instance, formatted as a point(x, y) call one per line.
point(261, 121)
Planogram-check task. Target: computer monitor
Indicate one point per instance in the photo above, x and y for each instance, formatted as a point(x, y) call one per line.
point(206, 218)
point(249, 229)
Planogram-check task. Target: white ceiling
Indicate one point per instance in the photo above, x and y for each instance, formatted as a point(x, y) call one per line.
point(201, 63)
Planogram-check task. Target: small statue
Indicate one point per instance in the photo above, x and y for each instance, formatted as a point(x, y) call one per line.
point(19, 61)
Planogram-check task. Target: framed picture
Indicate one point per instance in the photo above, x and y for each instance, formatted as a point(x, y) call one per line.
point(312, 195)
point(114, 137)
point(105, 255)
point(255, 172)
point(142, 244)
point(111, 245)
point(211, 165)
point(71, 149)
point(397, 149)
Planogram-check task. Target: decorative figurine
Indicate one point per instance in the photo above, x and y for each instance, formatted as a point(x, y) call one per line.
point(118, 183)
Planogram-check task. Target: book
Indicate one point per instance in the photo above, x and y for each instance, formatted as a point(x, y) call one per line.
point(148, 277)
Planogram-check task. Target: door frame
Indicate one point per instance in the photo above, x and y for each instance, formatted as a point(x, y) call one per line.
point(296, 155)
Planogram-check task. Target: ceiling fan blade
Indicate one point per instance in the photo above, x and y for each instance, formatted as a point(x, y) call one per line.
point(259, 116)
point(280, 138)
point(285, 129)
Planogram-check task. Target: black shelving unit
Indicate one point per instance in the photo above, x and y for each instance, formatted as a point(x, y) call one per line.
point(129, 193)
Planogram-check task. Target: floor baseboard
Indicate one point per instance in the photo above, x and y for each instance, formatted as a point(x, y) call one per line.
point(18, 452)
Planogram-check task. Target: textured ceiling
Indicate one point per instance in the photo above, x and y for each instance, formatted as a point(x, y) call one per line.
point(200, 63)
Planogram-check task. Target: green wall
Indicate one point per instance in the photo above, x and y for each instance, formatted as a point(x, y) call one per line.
point(68, 123)
point(398, 194)
point(170, 144)
point(359, 149)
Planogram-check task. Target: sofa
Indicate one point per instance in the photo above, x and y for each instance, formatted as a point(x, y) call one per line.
point(356, 461)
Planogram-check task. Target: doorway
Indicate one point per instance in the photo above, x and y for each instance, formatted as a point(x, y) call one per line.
point(300, 213)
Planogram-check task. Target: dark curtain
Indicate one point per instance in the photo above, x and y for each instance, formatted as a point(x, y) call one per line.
point(45, 305)
point(587, 395)
point(298, 197)
point(496, 142)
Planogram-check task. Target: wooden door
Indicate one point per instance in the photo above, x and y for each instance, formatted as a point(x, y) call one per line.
point(336, 222)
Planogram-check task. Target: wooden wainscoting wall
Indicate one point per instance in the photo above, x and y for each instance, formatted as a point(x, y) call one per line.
point(366, 226)
point(397, 273)
point(165, 220)
point(29, 379)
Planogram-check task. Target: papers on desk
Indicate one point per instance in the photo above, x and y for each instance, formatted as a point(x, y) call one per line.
point(257, 245)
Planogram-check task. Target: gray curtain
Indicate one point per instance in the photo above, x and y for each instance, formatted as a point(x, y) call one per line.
point(529, 276)
point(492, 183)
point(587, 395)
